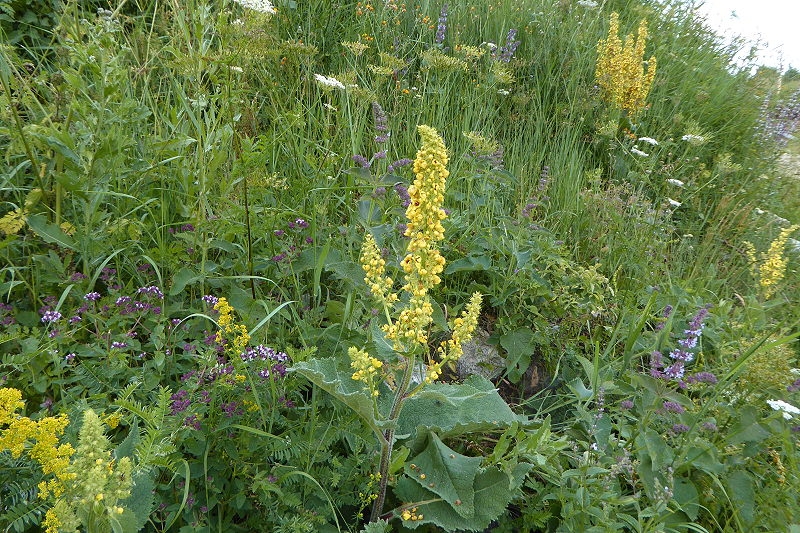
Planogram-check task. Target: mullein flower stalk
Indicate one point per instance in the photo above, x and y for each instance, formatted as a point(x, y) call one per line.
point(422, 266)
point(620, 72)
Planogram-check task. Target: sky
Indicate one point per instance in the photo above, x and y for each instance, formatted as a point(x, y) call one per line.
point(776, 23)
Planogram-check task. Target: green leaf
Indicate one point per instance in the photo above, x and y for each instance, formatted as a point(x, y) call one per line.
point(50, 232)
point(140, 503)
point(742, 494)
point(181, 279)
point(325, 374)
point(455, 409)
point(493, 489)
point(381, 526)
point(747, 428)
point(469, 264)
point(447, 474)
point(686, 496)
point(519, 344)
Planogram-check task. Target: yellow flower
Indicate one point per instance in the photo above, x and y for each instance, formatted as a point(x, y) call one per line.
point(620, 72)
point(423, 263)
point(10, 401)
point(228, 328)
point(366, 368)
point(374, 269)
point(463, 328)
point(773, 265)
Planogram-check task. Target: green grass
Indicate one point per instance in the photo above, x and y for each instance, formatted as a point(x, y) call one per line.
point(188, 146)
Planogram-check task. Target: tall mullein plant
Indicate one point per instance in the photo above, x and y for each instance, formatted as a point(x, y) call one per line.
point(421, 266)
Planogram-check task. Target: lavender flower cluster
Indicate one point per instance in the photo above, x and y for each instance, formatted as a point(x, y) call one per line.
point(292, 239)
point(441, 28)
point(779, 124)
point(673, 368)
point(508, 50)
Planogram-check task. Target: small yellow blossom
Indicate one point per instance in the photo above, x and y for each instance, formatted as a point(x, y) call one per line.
point(366, 368)
point(228, 328)
point(772, 269)
point(463, 328)
point(620, 72)
point(374, 269)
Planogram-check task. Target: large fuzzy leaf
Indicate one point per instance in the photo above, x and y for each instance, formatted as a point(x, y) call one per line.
point(326, 374)
point(492, 488)
point(455, 409)
point(447, 474)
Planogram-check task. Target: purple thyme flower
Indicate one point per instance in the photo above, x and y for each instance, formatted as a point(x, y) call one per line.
point(626, 405)
point(442, 27)
point(152, 290)
point(92, 297)
point(400, 163)
point(702, 377)
point(77, 276)
point(48, 317)
point(673, 407)
point(179, 402)
point(675, 371)
point(361, 161)
point(118, 345)
point(402, 192)
point(210, 300)
point(680, 428)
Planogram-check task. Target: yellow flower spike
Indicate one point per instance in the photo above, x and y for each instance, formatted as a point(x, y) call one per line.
point(773, 266)
point(374, 272)
point(423, 263)
point(620, 72)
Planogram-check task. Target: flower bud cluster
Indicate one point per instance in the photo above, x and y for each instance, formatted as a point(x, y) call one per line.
point(620, 72)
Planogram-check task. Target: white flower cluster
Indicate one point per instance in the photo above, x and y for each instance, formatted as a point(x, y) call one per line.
point(787, 410)
point(694, 140)
point(677, 183)
point(328, 82)
point(649, 140)
point(636, 151)
point(262, 6)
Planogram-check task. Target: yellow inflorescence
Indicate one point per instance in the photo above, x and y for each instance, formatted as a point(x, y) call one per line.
point(43, 434)
point(773, 266)
point(366, 368)
point(463, 328)
point(374, 269)
point(620, 71)
point(229, 329)
point(423, 263)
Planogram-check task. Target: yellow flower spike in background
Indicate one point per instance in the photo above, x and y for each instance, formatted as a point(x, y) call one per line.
point(620, 72)
point(374, 270)
point(423, 263)
point(773, 265)
point(366, 368)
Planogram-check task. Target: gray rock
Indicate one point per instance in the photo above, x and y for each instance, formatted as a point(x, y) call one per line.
point(480, 358)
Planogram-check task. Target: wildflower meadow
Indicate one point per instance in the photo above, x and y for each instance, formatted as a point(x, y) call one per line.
point(318, 266)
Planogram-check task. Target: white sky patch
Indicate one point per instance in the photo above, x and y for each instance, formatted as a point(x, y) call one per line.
point(773, 23)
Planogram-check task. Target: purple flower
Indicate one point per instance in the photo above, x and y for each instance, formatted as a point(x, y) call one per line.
point(74, 319)
point(794, 387)
point(118, 345)
point(381, 122)
point(361, 161)
point(626, 405)
point(379, 155)
point(680, 428)
point(442, 27)
point(399, 164)
point(179, 402)
point(673, 407)
point(681, 355)
point(69, 357)
point(279, 233)
point(210, 300)
point(48, 317)
point(402, 192)
point(702, 377)
point(152, 290)
point(230, 409)
point(77, 276)
point(675, 371)
point(187, 227)
point(107, 274)
point(709, 426)
point(301, 223)
point(122, 300)
point(507, 51)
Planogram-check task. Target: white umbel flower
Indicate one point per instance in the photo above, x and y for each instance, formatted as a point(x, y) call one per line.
point(262, 6)
point(673, 203)
point(649, 140)
point(636, 151)
point(673, 181)
point(787, 410)
point(328, 82)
